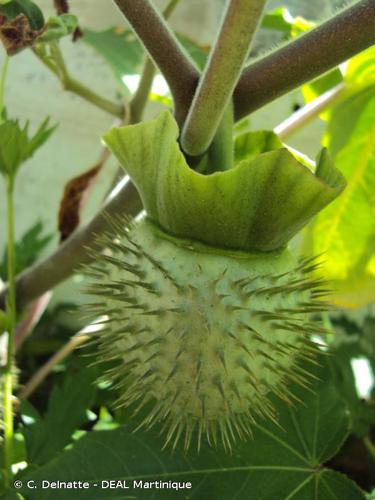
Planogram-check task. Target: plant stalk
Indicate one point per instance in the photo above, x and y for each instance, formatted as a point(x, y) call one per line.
point(73, 85)
point(221, 74)
point(42, 373)
point(165, 50)
point(307, 57)
point(221, 151)
point(138, 103)
point(4, 71)
point(304, 115)
point(73, 253)
point(11, 314)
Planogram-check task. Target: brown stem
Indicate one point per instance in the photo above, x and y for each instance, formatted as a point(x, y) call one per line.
point(312, 54)
point(51, 271)
point(138, 103)
point(32, 317)
point(166, 52)
point(42, 373)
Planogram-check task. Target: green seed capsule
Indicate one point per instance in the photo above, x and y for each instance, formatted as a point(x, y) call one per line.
point(203, 335)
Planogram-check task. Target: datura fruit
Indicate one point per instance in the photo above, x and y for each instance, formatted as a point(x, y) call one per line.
point(206, 312)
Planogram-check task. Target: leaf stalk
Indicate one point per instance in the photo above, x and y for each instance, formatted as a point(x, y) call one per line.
point(11, 314)
point(165, 50)
point(57, 65)
point(307, 57)
point(221, 74)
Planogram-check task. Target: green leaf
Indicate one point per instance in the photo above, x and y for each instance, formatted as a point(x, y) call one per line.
point(16, 7)
point(361, 68)
point(258, 205)
point(359, 79)
point(58, 26)
point(120, 49)
point(13, 147)
point(19, 450)
point(344, 117)
point(66, 412)
point(40, 137)
point(27, 250)
point(319, 86)
point(16, 146)
point(345, 231)
point(281, 20)
point(282, 461)
point(362, 411)
point(278, 20)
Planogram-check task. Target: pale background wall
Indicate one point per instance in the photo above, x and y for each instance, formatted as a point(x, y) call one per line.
point(32, 93)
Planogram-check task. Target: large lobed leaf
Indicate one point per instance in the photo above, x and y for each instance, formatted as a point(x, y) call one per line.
point(27, 249)
point(281, 462)
point(345, 231)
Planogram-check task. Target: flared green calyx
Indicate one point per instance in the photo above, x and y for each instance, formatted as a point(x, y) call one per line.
point(258, 205)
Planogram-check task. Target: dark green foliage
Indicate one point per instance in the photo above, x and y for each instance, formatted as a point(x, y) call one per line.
point(280, 462)
point(27, 249)
point(17, 146)
point(66, 412)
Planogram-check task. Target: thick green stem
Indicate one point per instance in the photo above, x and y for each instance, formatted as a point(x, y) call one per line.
point(221, 151)
point(11, 313)
point(58, 67)
point(312, 54)
point(165, 50)
point(221, 74)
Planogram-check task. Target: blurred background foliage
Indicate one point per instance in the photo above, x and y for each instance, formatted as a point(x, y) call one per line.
point(109, 59)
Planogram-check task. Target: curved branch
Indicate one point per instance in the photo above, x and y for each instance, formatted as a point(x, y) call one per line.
point(165, 50)
point(138, 103)
point(304, 59)
point(44, 275)
point(310, 111)
point(72, 85)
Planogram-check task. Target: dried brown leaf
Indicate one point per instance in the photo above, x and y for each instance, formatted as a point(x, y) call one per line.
point(17, 34)
point(72, 200)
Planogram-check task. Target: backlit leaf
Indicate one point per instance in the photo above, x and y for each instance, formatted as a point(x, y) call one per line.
point(345, 231)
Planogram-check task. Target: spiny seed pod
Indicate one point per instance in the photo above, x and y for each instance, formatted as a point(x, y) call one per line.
point(207, 313)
